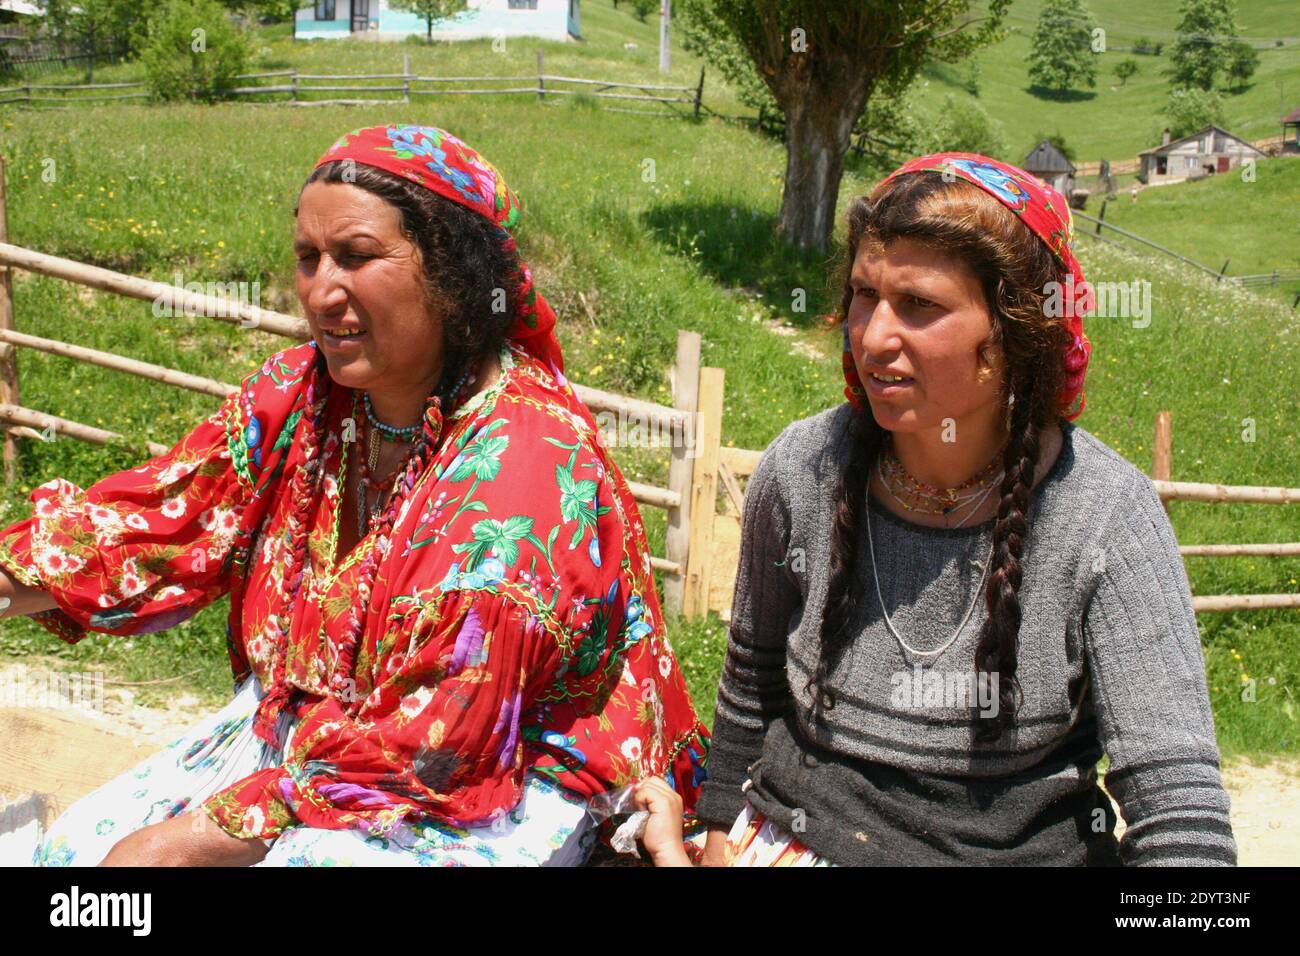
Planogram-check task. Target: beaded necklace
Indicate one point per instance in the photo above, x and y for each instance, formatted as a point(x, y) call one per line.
point(376, 433)
point(919, 497)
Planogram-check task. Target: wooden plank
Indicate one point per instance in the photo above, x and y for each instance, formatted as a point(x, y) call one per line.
point(30, 418)
point(653, 495)
point(667, 567)
point(1248, 494)
point(1162, 451)
point(732, 487)
point(686, 392)
point(249, 316)
point(1244, 602)
point(704, 490)
point(157, 373)
point(1239, 550)
point(741, 462)
point(60, 755)
point(8, 354)
point(652, 414)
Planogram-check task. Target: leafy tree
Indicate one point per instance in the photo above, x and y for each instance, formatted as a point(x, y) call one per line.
point(643, 8)
point(1061, 56)
point(94, 27)
point(430, 11)
point(1192, 109)
point(963, 126)
point(193, 51)
point(1124, 69)
point(1243, 59)
point(1057, 140)
point(1206, 32)
point(821, 60)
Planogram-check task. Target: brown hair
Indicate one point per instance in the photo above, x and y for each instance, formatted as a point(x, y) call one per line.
point(1013, 267)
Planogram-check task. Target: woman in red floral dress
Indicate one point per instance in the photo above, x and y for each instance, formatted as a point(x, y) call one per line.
point(442, 607)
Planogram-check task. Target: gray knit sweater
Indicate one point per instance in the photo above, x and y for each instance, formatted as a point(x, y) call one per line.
point(1110, 660)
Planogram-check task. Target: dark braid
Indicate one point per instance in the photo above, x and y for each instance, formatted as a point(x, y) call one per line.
point(998, 651)
point(1013, 267)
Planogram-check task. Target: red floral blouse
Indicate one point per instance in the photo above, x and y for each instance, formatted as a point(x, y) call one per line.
point(513, 625)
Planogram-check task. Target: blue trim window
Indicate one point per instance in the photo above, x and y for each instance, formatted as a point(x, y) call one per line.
point(522, 4)
point(324, 9)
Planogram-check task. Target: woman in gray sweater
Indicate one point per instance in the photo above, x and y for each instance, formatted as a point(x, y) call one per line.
point(873, 709)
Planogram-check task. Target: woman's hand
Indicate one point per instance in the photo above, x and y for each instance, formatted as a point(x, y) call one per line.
point(17, 599)
point(715, 847)
point(189, 839)
point(663, 831)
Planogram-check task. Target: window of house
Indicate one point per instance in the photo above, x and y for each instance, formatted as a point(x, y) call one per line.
point(1162, 165)
point(523, 4)
point(324, 9)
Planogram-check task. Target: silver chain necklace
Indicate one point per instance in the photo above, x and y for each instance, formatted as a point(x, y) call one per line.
point(890, 624)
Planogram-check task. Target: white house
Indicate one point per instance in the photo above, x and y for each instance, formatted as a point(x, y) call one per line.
point(1203, 153)
point(485, 19)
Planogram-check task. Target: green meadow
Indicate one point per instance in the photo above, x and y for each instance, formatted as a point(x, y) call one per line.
point(208, 192)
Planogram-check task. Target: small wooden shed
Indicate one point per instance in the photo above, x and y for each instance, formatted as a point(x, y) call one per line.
point(1050, 165)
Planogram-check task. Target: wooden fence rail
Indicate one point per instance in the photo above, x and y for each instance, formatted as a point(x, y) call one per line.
point(301, 84)
point(1161, 464)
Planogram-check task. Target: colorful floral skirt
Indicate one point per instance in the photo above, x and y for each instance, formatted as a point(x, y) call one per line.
point(549, 826)
point(755, 840)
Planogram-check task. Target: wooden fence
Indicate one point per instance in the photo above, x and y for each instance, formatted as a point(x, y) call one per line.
point(301, 89)
point(1161, 463)
point(702, 540)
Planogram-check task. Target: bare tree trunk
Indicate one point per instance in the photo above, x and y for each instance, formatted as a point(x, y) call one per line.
point(818, 133)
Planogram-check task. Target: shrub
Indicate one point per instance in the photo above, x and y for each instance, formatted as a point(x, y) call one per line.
point(193, 51)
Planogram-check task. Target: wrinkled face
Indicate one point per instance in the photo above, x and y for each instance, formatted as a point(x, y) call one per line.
point(919, 314)
point(357, 273)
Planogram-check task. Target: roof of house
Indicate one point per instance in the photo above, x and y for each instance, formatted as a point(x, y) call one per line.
point(1199, 133)
point(22, 7)
point(1046, 158)
point(1293, 116)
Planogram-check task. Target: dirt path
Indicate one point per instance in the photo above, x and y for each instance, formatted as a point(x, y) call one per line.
point(67, 751)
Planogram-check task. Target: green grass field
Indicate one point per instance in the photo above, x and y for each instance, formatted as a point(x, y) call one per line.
point(1223, 219)
point(1114, 121)
point(208, 192)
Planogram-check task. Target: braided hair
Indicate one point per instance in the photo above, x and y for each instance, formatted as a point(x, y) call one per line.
point(471, 282)
point(1014, 268)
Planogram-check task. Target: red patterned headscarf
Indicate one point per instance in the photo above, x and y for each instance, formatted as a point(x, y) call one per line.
point(1044, 212)
point(437, 160)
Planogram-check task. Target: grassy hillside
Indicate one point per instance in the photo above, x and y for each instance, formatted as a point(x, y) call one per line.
point(1112, 121)
point(1223, 218)
point(137, 190)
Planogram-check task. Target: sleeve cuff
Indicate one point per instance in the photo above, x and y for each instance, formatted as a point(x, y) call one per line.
point(253, 808)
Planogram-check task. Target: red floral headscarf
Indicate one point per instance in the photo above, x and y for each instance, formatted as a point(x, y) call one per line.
point(439, 161)
point(1044, 212)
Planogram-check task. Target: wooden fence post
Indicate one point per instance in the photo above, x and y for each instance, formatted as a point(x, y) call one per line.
point(293, 81)
point(8, 354)
point(699, 93)
point(541, 84)
point(1162, 451)
point(406, 77)
point(704, 492)
point(686, 394)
